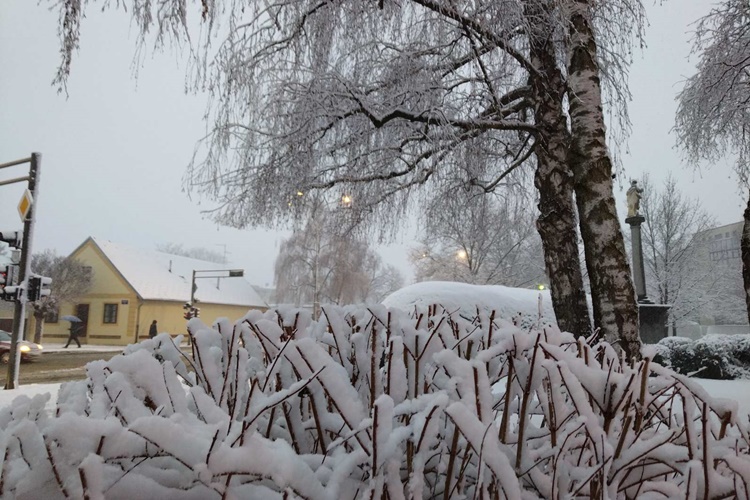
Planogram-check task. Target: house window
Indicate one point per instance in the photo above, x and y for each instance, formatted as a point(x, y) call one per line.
point(110, 313)
point(51, 316)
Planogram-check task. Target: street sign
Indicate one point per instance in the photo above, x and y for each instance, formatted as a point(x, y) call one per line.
point(25, 204)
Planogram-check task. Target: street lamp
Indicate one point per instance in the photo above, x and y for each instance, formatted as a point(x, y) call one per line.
point(190, 310)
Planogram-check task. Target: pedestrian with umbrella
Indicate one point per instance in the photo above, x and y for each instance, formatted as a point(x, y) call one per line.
point(74, 330)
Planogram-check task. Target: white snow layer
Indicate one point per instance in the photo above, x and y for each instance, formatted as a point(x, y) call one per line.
point(162, 276)
point(527, 307)
point(374, 402)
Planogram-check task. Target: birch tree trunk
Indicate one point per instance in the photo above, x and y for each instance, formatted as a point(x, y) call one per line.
point(554, 181)
point(613, 295)
point(38, 327)
point(745, 247)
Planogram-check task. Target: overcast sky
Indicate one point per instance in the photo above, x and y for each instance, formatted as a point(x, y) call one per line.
point(114, 151)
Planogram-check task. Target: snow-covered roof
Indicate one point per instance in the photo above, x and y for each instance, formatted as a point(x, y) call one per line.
point(162, 276)
point(507, 302)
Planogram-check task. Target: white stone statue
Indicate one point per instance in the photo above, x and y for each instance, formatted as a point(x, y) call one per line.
point(634, 198)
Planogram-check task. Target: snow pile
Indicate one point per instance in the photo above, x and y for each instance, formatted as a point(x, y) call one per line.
point(528, 308)
point(369, 403)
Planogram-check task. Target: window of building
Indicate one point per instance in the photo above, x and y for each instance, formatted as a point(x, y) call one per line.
point(110, 313)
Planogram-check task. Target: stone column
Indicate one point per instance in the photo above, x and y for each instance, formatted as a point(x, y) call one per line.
point(652, 317)
point(639, 273)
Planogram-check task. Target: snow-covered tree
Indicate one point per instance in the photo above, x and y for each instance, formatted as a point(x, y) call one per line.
point(70, 280)
point(678, 270)
point(379, 99)
point(319, 263)
point(480, 239)
point(612, 291)
point(713, 116)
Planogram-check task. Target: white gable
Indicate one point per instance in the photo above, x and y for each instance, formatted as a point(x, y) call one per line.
point(161, 276)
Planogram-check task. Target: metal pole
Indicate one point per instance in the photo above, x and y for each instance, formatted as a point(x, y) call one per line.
point(13, 181)
point(192, 290)
point(19, 317)
point(192, 301)
point(16, 162)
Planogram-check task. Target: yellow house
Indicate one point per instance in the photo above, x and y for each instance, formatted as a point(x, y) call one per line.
point(132, 287)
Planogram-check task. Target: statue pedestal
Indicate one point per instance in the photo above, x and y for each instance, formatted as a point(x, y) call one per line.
point(653, 320)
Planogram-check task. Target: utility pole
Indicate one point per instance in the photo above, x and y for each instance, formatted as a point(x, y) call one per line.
point(224, 261)
point(19, 317)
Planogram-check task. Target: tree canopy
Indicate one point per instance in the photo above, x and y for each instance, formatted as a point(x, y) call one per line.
point(388, 103)
point(70, 280)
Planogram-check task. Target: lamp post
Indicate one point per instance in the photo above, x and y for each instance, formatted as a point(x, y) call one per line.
point(190, 310)
point(212, 273)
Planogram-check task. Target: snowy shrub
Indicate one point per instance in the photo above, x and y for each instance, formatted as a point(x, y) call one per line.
point(374, 403)
point(722, 357)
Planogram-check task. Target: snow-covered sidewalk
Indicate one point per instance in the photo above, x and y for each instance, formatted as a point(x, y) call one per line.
point(60, 347)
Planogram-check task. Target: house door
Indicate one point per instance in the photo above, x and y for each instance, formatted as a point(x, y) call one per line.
point(82, 311)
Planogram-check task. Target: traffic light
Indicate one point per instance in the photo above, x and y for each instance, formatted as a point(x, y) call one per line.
point(12, 238)
point(38, 287)
point(44, 286)
point(191, 311)
point(32, 290)
point(10, 293)
point(8, 275)
point(8, 278)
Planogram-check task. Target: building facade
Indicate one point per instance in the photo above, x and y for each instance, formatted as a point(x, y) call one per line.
point(132, 287)
point(723, 243)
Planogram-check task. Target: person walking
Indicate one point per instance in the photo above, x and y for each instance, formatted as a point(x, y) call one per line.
point(73, 335)
point(152, 330)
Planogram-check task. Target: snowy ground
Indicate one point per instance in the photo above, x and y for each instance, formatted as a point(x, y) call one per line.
point(738, 390)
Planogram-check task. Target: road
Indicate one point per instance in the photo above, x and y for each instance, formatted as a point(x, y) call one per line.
point(56, 367)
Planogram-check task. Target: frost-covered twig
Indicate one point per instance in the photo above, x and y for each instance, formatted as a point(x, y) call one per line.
point(376, 403)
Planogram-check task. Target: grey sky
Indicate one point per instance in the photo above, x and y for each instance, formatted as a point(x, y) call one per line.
point(116, 149)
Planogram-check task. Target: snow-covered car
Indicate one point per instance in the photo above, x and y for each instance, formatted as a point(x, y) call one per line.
point(29, 350)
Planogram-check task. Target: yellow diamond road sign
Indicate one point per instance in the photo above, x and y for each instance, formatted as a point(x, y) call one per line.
point(25, 204)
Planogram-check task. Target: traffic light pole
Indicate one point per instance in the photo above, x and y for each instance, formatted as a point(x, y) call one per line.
point(19, 317)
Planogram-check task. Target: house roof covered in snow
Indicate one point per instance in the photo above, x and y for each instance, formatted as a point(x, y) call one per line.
point(162, 276)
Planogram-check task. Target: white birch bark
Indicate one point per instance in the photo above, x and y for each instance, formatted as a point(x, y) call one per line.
point(613, 295)
point(553, 179)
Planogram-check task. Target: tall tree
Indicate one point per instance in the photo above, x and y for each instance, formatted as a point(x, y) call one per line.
point(377, 99)
point(70, 280)
point(713, 114)
point(481, 239)
point(553, 178)
point(318, 264)
point(679, 270)
point(612, 291)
